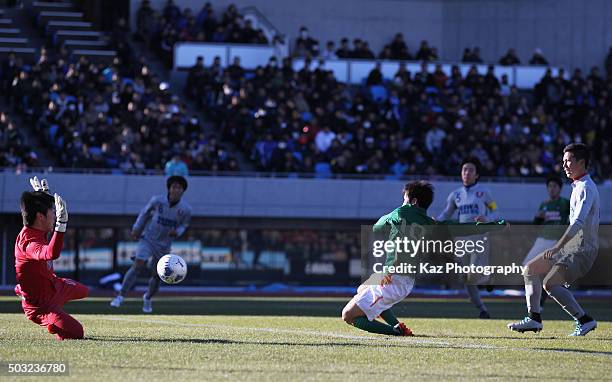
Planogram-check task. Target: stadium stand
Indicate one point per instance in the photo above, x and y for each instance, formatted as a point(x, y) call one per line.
point(295, 121)
point(111, 116)
point(161, 29)
point(15, 152)
point(306, 121)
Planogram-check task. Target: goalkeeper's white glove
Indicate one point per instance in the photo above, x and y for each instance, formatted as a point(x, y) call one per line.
point(61, 214)
point(39, 185)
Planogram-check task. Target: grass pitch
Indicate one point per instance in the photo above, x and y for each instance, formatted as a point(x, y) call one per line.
point(304, 339)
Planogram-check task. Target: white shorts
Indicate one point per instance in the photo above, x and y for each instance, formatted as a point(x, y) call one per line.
point(539, 246)
point(375, 299)
point(146, 251)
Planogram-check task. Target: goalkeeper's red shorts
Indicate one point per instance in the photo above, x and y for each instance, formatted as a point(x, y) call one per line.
point(52, 315)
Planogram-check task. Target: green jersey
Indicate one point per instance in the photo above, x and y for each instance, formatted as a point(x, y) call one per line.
point(412, 222)
point(556, 213)
point(404, 221)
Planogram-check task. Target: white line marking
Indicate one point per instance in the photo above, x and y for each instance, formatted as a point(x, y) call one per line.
point(403, 340)
point(381, 339)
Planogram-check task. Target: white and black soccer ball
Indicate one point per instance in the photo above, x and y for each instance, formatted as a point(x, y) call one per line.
point(171, 269)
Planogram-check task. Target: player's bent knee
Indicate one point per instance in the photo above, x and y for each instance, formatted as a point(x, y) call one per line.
point(549, 284)
point(76, 333)
point(347, 315)
point(554, 278)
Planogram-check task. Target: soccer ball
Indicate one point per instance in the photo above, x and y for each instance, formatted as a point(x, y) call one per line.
point(171, 269)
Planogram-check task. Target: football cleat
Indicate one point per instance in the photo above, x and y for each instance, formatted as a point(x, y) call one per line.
point(583, 329)
point(525, 325)
point(147, 305)
point(117, 301)
point(403, 330)
point(484, 315)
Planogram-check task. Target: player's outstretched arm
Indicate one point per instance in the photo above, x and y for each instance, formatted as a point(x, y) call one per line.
point(51, 251)
point(381, 224)
point(143, 217)
point(449, 209)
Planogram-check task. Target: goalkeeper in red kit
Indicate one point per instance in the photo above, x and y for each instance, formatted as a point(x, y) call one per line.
point(43, 294)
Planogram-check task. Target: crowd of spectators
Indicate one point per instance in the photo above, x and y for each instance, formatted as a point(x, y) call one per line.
point(307, 46)
point(117, 116)
point(15, 151)
point(397, 49)
point(161, 29)
point(414, 123)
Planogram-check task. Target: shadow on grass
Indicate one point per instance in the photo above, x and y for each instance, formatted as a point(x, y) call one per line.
point(507, 310)
point(526, 337)
point(209, 341)
point(580, 351)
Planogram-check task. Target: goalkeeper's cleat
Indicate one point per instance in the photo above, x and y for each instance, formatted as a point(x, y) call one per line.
point(402, 330)
point(583, 329)
point(147, 305)
point(525, 325)
point(484, 315)
point(117, 301)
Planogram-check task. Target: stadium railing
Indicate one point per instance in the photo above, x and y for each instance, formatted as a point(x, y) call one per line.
point(251, 56)
point(353, 71)
point(357, 71)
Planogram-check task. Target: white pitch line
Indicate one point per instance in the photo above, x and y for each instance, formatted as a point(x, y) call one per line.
point(404, 341)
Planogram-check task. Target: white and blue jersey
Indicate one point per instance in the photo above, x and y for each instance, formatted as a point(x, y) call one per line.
point(584, 214)
point(157, 219)
point(470, 202)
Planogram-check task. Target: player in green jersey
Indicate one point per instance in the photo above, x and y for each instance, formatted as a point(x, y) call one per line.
point(377, 295)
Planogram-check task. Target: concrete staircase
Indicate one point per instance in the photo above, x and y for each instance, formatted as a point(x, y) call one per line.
point(62, 24)
point(12, 38)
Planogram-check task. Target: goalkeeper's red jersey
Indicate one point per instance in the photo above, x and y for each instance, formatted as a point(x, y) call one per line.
point(34, 256)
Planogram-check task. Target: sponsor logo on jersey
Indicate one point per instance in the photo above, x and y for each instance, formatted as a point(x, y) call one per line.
point(469, 209)
point(166, 222)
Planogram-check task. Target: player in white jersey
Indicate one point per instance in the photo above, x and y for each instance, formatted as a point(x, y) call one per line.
point(573, 254)
point(163, 219)
point(473, 202)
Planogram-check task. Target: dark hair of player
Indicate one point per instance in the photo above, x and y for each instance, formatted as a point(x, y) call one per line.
point(554, 179)
point(580, 151)
point(473, 160)
point(422, 190)
point(177, 179)
point(32, 203)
